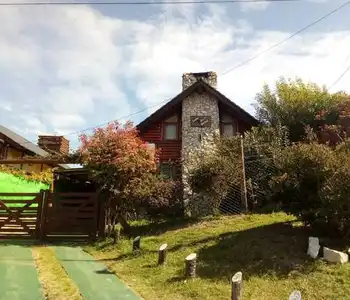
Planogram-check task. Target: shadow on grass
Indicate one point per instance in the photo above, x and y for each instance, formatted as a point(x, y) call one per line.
point(272, 250)
point(157, 228)
point(18, 242)
point(131, 256)
point(151, 229)
point(276, 249)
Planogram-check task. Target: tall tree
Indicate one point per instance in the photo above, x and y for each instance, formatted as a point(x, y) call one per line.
point(294, 104)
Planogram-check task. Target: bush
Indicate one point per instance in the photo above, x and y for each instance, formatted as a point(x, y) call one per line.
point(314, 184)
point(302, 170)
point(215, 175)
point(45, 177)
point(155, 197)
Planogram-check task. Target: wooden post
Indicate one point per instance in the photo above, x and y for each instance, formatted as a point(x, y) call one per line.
point(39, 215)
point(136, 245)
point(43, 213)
point(296, 295)
point(237, 286)
point(190, 265)
point(162, 254)
point(244, 182)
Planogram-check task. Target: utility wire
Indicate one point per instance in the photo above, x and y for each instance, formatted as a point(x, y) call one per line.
point(340, 77)
point(286, 39)
point(139, 2)
point(106, 123)
point(185, 2)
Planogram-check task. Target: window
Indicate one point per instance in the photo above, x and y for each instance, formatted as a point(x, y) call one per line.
point(228, 126)
point(167, 170)
point(170, 128)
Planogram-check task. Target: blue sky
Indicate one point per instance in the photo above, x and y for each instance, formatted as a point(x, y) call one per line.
point(65, 68)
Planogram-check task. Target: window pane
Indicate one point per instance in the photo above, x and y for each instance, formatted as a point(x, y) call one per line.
point(170, 131)
point(172, 119)
point(226, 119)
point(227, 130)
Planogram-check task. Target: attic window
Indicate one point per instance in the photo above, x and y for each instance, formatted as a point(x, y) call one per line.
point(228, 126)
point(171, 128)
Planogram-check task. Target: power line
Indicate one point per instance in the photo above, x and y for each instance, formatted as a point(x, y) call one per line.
point(286, 39)
point(340, 77)
point(140, 2)
point(106, 123)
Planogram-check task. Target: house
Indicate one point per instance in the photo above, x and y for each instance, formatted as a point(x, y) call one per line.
point(13, 146)
point(179, 125)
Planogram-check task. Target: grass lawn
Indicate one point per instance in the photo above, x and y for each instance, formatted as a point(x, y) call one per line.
point(12, 184)
point(269, 249)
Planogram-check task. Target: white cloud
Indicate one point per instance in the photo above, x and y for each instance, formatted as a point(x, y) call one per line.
point(60, 62)
point(66, 68)
point(249, 5)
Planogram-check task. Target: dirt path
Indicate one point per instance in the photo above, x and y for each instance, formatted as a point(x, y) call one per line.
point(18, 275)
point(93, 279)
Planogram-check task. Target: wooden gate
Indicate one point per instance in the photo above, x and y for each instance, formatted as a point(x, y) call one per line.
point(20, 215)
point(70, 215)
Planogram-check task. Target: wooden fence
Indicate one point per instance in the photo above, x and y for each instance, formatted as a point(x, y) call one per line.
point(19, 215)
point(47, 215)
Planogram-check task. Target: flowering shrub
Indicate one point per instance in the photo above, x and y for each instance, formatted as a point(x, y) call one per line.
point(125, 169)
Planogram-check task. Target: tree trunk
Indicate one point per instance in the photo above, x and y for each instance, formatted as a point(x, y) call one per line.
point(124, 224)
point(109, 222)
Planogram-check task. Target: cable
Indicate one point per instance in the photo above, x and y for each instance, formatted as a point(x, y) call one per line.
point(106, 123)
point(286, 39)
point(340, 77)
point(183, 2)
point(141, 2)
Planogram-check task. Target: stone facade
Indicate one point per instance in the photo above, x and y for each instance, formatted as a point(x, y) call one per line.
point(195, 138)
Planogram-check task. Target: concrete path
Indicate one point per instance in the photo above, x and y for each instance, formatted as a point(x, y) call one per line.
point(18, 275)
point(93, 279)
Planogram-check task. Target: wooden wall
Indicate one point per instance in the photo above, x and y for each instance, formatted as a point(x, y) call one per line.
point(169, 150)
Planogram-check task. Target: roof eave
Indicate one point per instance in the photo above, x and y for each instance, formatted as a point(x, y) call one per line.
point(245, 116)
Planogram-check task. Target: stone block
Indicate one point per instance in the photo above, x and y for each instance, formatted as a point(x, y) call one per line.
point(335, 256)
point(314, 247)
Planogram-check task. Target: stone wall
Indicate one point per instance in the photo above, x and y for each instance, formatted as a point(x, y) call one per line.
point(190, 78)
point(195, 138)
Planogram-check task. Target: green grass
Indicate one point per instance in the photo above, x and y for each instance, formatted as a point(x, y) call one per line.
point(13, 184)
point(269, 249)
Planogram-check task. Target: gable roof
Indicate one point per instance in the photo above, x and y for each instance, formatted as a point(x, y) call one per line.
point(199, 85)
point(31, 147)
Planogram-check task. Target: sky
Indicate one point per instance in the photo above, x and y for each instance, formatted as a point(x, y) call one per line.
point(67, 68)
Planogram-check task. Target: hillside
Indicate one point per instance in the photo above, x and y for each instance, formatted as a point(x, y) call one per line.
point(269, 249)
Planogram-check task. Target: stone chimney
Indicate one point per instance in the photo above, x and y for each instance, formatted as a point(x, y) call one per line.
point(195, 136)
point(190, 78)
point(54, 143)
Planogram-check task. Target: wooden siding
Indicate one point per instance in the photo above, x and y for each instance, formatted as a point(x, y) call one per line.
point(153, 134)
point(169, 149)
point(15, 154)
